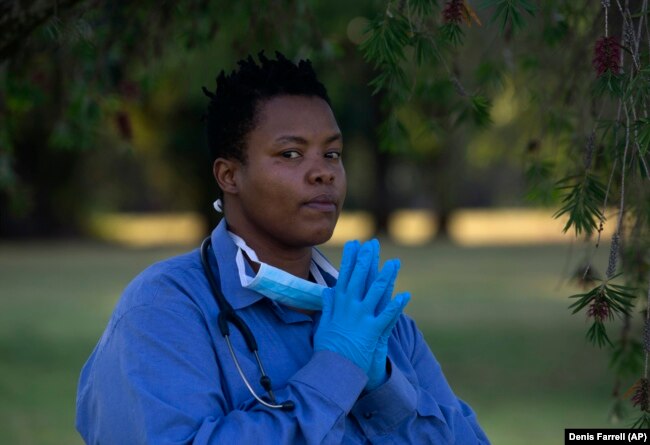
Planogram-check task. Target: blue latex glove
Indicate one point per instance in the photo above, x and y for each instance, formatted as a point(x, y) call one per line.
point(349, 324)
point(378, 374)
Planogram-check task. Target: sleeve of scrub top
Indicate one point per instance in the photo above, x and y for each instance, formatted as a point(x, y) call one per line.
point(420, 409)
point(157, 382)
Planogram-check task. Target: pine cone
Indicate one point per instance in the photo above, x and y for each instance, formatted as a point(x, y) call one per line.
point(640, 397)
point(607, 53)
point(598, 310)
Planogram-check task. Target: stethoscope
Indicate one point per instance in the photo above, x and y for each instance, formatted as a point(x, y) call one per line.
point(228, 315)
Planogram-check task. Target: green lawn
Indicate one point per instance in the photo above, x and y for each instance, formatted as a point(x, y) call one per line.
point(495, 317)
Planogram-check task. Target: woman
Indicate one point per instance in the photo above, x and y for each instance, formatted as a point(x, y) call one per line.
point(344, 365)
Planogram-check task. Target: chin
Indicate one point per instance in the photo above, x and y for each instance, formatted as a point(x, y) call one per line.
point(323, 238)
point(315, 236)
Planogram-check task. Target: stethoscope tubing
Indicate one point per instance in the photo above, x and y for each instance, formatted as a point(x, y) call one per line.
point(227, 315)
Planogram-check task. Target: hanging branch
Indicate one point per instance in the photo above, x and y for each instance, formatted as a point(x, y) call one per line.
point(614, 163)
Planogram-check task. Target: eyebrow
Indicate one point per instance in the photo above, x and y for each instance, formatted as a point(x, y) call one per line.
point(303, 141)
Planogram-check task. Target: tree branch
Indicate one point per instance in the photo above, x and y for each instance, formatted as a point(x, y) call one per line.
point(18, 21)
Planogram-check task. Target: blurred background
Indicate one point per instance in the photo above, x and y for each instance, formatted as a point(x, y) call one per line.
point(104, 170)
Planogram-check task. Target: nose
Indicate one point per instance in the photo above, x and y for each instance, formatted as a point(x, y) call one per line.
point(321, 171)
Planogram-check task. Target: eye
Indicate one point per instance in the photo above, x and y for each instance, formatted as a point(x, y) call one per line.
point(333, 154)
point(290, 154)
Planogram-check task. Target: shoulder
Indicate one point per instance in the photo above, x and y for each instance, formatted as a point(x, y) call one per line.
point(171, 291)
point(406, 330)
point(410, 339)
point(171, 284)
point(157, 332)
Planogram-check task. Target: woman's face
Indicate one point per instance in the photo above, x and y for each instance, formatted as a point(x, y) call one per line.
point(290, 191)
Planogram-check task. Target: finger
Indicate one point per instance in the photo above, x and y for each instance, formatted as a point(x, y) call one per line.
point(374, 265)
point(360, 272)
point(405, 297)
point(350, 251)
point(385, 280)
point(389, 315)
point(388, 293)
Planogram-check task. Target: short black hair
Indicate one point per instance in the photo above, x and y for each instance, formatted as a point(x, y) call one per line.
point(233, 107)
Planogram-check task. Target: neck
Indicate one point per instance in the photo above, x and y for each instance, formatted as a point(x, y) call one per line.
point(295, 260)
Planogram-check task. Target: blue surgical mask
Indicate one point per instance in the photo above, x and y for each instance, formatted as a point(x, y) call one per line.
point(281, 286)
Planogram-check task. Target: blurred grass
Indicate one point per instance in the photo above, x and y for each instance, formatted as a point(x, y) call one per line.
point(495, 317)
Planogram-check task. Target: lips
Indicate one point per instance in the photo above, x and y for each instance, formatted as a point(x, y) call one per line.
point(322, 203)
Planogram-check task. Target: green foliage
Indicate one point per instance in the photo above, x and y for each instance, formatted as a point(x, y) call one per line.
point(638, 87)
point(642, 422)
point(392, 79)
point(618, 299)
point(425, 49)
point(76, 129)
point(423, 7)
point(541, 183)
point(480, 110)
point(21, 97)
point(611, 84)
point(605, 300)
point(555, 30)
point(597, 334)
point(582, 202)
point(393, 135)
point(490, 74)
point(509, 12)
point(452, 33)
point(557, 122)
point(642, 127)
point(475, 109)
point(387, 36)
point(627, 357)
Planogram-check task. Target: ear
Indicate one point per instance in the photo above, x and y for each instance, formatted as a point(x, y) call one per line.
point(224, 173)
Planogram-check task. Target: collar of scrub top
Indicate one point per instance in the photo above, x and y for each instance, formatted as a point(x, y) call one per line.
point(225, 251)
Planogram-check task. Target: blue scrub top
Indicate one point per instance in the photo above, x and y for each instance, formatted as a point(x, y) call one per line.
point(162, 374)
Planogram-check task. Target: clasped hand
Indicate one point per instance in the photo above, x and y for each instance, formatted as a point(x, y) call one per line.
point(358, 313)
